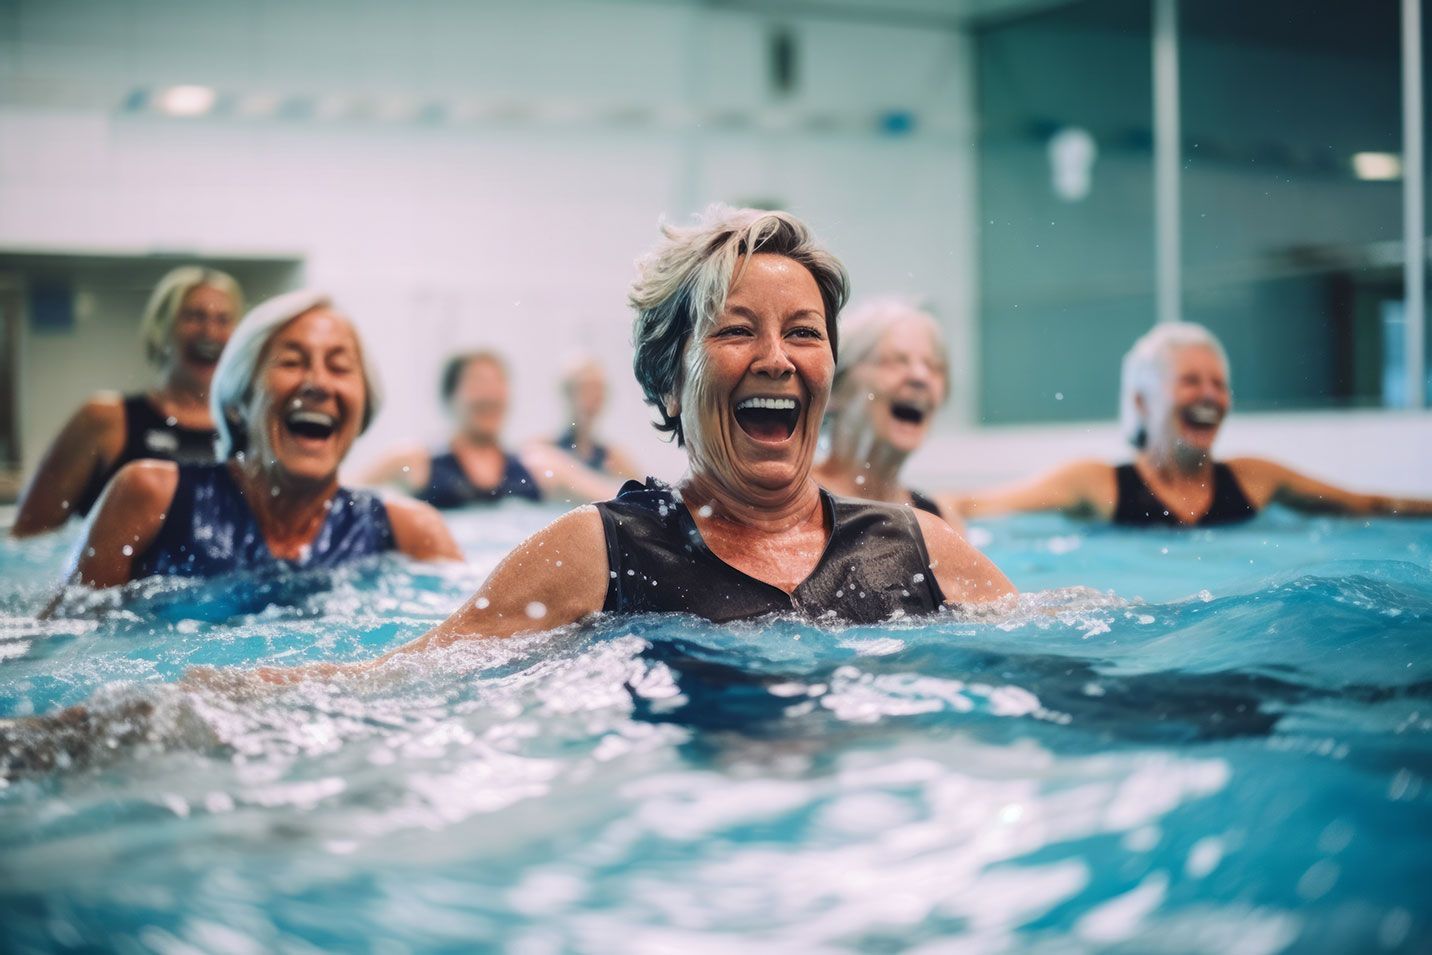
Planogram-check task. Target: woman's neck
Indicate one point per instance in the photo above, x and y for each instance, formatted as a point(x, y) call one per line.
point(709, 501)
point(476, 443)
point(288, 511)
point(871, 472)
point(1172, 467)
point(182, 395)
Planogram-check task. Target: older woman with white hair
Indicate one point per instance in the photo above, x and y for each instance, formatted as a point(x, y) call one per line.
point(291, 394)
point(584, 386)
point(893, 375)
point(187, 322)
point(1175, 396)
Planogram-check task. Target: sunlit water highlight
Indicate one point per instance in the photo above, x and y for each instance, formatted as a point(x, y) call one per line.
point(1221, 742)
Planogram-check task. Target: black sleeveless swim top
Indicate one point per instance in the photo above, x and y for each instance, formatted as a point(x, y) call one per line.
point(925, 503)
point(449, 486)
point(595, 460)
point(210, 530)
point(148, 434)
point(874, 566)
point(1137, 506)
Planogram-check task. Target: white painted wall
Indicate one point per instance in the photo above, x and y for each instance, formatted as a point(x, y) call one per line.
point(519, 233)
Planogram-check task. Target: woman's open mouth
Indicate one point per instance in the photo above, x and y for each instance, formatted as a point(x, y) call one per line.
point(1202, 415)
point(205, 353)
point(310, 425)
point(908, 413)
point(768, 419)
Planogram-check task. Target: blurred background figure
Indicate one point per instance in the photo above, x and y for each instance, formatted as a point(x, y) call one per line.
point(476, 468)
point(584, 386)
point(893, 375)
point(289, 400)
point(1175, 396)
point(186, 324)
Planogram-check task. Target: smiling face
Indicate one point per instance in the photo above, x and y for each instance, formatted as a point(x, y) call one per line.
point(892, 396)
point(308, 398)
point(756, 380)
point(479, 401)
point(202, 327)
point(1183, 417)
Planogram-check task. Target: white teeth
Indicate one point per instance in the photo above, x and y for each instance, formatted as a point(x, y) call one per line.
point(774, 404)
point(313, 417)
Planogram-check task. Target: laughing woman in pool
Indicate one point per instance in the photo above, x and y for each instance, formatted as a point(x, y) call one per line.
point(189, 318)
point(735, 347)
point(892, 377)
point(1175, 396)
point(292, 392)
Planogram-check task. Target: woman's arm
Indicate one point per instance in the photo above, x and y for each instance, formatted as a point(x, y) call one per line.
point(562, 477)
point(89, 441)
point(420, 532)
point(1266, 481)
point(555, 577)
point(126, 520)
point(619, 466)
point(965, 575)
point(1081, 487)
point(408, 470)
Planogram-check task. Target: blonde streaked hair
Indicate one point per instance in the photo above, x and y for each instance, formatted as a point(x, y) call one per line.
point(168, 297)
point(682, 284)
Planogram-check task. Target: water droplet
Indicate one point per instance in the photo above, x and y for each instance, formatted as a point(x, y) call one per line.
point(536, 610)
point(705, 511)
point(860, 479)
point(1058, 396)
point(127, 551)
point(482, 603)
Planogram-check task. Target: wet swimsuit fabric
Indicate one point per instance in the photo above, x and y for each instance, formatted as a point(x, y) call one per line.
point(1137, 506)
point(925, 503)
point(149, 434)
point(595, 460)
point(210, 530)
point(874, 565)
point(449, 486)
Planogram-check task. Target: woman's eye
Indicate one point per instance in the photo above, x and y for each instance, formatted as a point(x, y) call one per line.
point(732, 331)
point(806, 331)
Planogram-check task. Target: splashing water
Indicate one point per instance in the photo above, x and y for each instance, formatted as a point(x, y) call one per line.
point(1217, 741)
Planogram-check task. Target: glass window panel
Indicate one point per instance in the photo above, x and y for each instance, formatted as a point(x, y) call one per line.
point(1066, 207)
point(1291, 124)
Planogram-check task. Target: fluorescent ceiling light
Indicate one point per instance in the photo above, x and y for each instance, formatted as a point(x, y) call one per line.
point(186, 100)
point(1377, 167)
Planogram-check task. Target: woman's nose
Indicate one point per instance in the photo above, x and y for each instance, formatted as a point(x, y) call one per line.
point(771, 359)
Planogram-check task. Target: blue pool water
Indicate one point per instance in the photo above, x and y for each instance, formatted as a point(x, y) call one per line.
point(1217, 741)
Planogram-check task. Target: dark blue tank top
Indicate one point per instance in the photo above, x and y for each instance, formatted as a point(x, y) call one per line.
point(874, 566)
point(448, 484)
point(1138, 506)
point(210, 530)
point(595, 460)
point(148, 434)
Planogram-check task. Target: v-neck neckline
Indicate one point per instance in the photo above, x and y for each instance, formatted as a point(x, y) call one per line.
point(1174, 513)
point(259, 528)
point(827, 503)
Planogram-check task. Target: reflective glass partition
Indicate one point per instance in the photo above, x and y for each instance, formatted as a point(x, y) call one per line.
point(1289, 201)
point(1291, 198)
point(1065, 207)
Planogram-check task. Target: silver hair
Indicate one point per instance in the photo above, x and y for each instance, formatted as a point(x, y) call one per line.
point(682, 284)
point(864, 326)
point(1146, 365)
point(168, 297)
point(234, 379)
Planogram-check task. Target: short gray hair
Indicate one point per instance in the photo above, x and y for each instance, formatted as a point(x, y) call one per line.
point(168, 296)
point(864, 325)
point(233, 382)
point(1146, 365)
point(682, 285)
